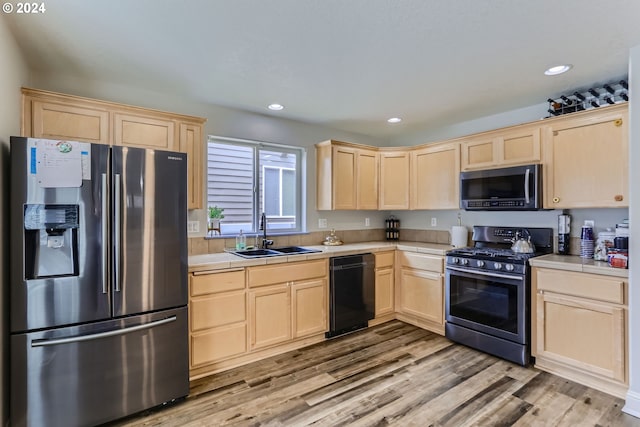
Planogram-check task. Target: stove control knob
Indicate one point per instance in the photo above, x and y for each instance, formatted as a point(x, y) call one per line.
point(455, 260)
point(509, 267)
point(465, 261)
point(480, 263)
point(497, 266)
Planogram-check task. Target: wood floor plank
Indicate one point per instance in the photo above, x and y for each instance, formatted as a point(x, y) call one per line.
point(393, 374)
point(548, 410)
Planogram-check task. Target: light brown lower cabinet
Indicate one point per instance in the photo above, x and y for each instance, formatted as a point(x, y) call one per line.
point(242, 315)
point(580, 327)
point(384, 280)
point(217, 317)
point(270, 309)
point(287, 301)
point(420, 290)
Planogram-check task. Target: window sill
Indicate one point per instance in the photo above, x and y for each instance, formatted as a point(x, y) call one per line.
point(233, 236)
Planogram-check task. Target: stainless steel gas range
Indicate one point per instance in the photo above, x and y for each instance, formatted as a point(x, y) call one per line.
point(487, 294)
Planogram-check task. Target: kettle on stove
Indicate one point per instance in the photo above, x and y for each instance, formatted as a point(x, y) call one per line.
point(522, 245)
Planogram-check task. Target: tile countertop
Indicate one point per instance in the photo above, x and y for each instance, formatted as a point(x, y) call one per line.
point(575, 263)
point(224, 260)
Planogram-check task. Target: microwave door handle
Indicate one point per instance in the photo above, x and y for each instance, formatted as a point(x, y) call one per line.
point(527, 177)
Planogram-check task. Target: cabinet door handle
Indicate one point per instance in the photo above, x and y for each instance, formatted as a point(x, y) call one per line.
point(556, 199)
point(618, 122)
point(618, 197)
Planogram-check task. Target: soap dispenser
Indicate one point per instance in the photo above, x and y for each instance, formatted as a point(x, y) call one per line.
point(241, 242)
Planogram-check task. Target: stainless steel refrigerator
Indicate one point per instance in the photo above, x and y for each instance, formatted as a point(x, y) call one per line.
point(98, 281)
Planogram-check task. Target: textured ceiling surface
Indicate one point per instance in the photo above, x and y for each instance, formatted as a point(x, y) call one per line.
point(346, 64)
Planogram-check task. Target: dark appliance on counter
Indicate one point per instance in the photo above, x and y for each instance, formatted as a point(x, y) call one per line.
point(487, 291)
point(517, 188)
point(351, 293)
point(98, 281)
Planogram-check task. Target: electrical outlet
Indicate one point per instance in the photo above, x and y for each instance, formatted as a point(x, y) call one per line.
point(193, 226)
point(589, 223)
point(434, 222)
point(367, 222)
point(322, 223)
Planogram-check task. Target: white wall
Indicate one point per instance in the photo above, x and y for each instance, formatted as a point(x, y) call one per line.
point(481, 124)
point(13, 74)
point(603, 218)
point(633, 396)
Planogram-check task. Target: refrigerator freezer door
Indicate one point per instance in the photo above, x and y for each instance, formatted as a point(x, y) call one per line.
point(150, 230)
point(65, 299)
point(95, 373)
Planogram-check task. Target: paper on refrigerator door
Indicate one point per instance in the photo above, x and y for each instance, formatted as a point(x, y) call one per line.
point(58, 163)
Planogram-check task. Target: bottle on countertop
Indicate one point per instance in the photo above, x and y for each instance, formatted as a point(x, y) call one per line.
point(241, 241)
point(564, 231)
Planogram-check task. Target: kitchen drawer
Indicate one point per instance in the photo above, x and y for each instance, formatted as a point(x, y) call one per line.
point(218, 344)
point(384, 259)
point(421, 261)
point(218, 310)
point(584, 285)
point(208, 283)
point(283, 273)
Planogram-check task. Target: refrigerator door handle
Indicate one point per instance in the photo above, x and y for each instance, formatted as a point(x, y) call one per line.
point(45, 342)
point(105, 233)
point(117, 225)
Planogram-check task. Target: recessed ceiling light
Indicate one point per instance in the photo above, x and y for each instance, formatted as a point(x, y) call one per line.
point(276, 107)
point(394, 120)
point(558, 69)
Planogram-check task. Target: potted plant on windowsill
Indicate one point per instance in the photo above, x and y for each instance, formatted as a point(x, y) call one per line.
point(215, 215)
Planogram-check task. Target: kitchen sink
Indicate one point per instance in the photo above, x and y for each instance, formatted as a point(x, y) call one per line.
point(295, 250)
point(257, 253)
point(285, 250)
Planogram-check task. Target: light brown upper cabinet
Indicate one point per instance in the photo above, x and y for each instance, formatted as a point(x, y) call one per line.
point(394, 179)
point(518, 145)
point(53, 120)
point(146, 132)
point(435, 171)
point(346, 176)
point(191, 143)
point(58, 116)
point(586, 159)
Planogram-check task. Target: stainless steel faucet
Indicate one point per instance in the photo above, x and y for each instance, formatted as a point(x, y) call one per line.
point(263, 226)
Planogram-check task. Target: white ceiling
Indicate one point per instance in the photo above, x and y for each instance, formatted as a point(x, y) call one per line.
point(347, 64)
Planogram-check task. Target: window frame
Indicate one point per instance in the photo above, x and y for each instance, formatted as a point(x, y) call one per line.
point(280, 169)
point(300, 154)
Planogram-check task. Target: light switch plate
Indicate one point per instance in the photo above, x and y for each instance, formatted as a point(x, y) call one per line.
point(589, 223)
point(193, 226)
point(434, 222)
point(322, 223)
point(367, 222)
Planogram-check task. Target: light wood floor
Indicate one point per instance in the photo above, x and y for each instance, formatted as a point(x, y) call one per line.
point(391, 374)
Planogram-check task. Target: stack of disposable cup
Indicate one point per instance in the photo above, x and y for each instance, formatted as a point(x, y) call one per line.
point(586, 242)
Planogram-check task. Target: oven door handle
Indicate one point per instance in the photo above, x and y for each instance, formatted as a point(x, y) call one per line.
point(485, 273)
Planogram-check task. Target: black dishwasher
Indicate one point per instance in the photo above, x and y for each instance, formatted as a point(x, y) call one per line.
point(351, 293)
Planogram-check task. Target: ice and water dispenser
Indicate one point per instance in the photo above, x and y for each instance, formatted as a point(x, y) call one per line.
point(51, 241)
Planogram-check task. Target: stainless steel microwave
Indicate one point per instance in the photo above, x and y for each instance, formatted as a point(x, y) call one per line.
point(505, 189)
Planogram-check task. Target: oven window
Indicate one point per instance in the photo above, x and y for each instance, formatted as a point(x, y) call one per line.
point(484, 301)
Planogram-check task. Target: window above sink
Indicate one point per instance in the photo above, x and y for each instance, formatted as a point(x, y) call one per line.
point(247, 178)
